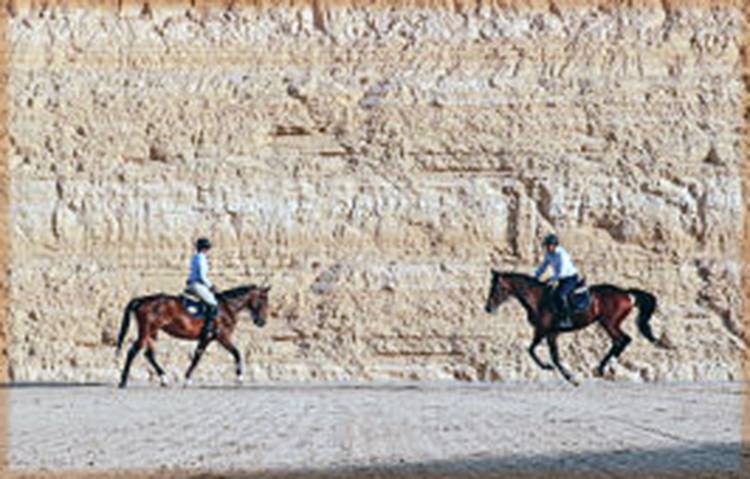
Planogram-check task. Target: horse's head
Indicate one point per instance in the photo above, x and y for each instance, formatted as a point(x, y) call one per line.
point(500, 290)
point(257, 303)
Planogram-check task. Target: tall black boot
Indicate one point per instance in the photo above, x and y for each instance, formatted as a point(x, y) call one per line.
point(563, 316)
point(208, 324)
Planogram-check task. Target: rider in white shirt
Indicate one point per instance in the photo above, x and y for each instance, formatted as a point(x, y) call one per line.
point(564, 276)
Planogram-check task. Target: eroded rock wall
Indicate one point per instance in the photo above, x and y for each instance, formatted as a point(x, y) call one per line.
point(374, 164)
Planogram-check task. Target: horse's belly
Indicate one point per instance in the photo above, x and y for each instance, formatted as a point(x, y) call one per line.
point(184, 328)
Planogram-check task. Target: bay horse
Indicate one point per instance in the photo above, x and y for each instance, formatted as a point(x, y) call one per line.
point(163, 312)
point(609, 306)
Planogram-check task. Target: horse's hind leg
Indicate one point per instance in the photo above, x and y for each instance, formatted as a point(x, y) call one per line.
point(132, 352)
point(622, 344)
point(606, 358)
point(138, 344)
point(552, 343)
point(620, 341)
point(618, 346)
point(151, 356)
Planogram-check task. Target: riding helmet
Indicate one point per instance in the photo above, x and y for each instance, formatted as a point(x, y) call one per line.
point(202, 243)
point(550, 239)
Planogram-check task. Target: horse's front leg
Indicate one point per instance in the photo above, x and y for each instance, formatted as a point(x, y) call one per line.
point(202, 344)
point(552, 343)
point(538, 336)
point(227, 344)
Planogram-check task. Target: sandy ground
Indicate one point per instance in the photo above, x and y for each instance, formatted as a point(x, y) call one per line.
point(461, 427)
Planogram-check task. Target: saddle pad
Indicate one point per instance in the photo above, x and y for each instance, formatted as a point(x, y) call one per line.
point(580, 299)
point(194, 307)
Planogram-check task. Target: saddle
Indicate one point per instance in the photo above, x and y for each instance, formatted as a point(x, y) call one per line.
point(580, 298)
point(194, 305)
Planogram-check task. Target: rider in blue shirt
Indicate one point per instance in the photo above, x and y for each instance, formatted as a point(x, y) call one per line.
point(564, 276)
point(199, 284)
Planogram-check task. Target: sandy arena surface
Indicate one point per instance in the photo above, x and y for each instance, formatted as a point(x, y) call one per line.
point(461, 427)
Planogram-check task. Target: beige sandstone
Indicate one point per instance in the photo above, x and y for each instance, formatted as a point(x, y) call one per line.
point(374, 164)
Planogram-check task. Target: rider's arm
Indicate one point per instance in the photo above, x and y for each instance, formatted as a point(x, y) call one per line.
point(542, 267)
point(203, 270)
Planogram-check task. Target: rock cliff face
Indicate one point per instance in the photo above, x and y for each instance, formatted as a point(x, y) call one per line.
point(374, 164)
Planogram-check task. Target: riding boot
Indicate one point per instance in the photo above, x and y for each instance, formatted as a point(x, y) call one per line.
point(208, 325)
point(563, 316)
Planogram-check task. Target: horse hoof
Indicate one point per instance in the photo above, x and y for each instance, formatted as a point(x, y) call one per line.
point(575, 382)
point(239, 380)
point(187, 383)
point(121, 385)
point(163, 381)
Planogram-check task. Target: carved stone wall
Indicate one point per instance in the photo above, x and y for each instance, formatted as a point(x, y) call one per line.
point(374, 164)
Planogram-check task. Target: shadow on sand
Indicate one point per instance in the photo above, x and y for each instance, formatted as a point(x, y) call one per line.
point(702, 461)
point(699, 460)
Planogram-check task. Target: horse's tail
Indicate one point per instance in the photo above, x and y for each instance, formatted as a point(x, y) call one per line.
point(646, 304)
point(134, 303)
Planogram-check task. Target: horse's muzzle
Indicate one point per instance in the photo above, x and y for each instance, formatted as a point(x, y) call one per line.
point(489, 309)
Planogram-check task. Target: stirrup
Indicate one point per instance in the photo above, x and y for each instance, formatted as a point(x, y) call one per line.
point(210, 333)
point(213, 331)
point(564, 322)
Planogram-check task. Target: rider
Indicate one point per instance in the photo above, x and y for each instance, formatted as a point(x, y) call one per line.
point(199, 284)
point(564, 276)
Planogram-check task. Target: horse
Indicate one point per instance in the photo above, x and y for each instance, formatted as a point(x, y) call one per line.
point(609, 306)
point(167, 313)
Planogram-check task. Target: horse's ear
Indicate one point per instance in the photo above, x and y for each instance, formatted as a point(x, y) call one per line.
point(266, 289)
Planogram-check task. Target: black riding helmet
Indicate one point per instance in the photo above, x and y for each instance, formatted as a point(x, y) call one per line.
point(550, 239)
point(202, 243)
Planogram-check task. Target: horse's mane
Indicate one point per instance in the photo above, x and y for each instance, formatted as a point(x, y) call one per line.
point(236, 292)
point(525, 277)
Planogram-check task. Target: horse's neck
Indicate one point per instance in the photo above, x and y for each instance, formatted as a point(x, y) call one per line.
point(525, 296)
point(232, 306)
